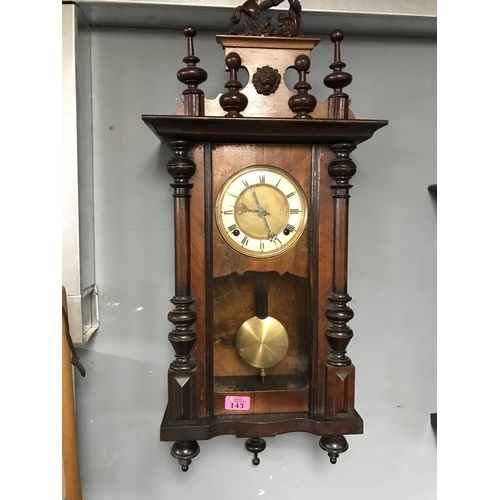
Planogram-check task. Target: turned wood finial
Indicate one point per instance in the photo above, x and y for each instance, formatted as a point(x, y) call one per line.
point(338, 102)
point(255, 445)
point(334, 445)
point(192, 76)
point(302, 103)
point(233, 102)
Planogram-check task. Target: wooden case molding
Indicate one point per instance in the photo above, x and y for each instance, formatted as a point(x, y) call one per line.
point(263, 124)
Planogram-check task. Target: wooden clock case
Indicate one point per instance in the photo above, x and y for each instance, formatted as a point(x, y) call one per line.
point(212, 140)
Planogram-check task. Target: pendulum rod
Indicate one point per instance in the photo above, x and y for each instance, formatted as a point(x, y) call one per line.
point(261, 301)
point(261, 310)
point(262, 341)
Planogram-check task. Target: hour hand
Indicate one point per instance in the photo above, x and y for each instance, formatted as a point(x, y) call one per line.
point(242, 208)
point(256, 200)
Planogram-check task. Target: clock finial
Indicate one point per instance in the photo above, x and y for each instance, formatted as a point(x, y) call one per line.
point(192, 76)
point(255, 445)
point(232, 101)
point(302, 103)
point(338, 102)
point(334, 445)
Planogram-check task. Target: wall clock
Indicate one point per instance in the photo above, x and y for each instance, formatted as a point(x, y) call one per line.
point(261, 203)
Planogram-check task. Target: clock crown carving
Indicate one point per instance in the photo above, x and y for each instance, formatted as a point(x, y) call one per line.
point(261, 186)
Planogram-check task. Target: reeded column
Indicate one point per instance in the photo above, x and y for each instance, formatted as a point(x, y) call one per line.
point(339, 369)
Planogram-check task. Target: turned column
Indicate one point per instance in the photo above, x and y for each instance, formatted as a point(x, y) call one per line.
point(182, 391)
point(182, 381)
point(339, 369)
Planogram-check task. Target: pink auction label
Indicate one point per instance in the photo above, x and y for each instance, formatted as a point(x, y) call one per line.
point(237, 403)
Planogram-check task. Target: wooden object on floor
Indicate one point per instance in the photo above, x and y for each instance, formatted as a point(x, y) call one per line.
point(71, 467)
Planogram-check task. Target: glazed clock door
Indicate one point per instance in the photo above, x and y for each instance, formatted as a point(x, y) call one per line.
point(261, 278)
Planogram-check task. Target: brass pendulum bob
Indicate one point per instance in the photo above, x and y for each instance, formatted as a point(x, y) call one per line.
point(262, 340)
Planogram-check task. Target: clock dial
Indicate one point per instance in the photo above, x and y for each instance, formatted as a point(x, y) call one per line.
point(261, 211)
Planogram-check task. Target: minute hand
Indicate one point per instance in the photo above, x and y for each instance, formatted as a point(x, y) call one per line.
point(262, 213)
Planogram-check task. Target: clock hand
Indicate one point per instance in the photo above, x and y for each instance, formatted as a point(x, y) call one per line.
point(256, 200)
point(270, 233)
point(262, 213)
point(242, 208)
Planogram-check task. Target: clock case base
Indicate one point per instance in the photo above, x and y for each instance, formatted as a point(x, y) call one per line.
point(186, 447)
point(262, 425)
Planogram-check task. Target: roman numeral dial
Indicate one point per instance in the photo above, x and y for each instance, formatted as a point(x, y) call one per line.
point(261, 211)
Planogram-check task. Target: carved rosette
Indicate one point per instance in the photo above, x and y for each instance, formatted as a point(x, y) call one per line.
point(266, 80)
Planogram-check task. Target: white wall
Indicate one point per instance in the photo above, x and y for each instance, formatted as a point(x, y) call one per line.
point(392, 281)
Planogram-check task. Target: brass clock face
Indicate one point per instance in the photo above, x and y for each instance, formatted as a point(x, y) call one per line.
point(261, 211)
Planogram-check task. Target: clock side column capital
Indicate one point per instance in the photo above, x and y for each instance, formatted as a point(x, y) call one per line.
point(182, 168)
point(341, 169)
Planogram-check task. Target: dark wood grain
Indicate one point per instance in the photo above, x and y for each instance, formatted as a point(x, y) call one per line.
point(340, 381)
point(338, 313)
point(198, 270)
point(261, 130)
point(324, 267)
point(262, 425)
point(182, 381)
point(261, 402)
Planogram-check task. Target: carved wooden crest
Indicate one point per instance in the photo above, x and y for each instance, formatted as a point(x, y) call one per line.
point(289, 23)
